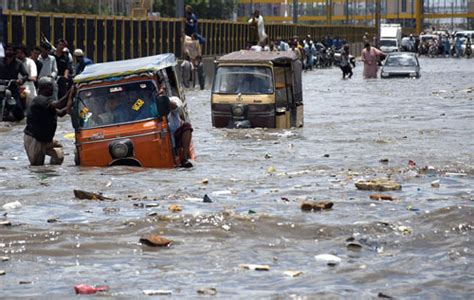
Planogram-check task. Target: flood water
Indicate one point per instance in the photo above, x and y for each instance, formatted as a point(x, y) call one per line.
point(257, 180)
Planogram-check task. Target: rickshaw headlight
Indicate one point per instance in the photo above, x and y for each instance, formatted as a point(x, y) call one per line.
point(121, 149)
point(238, 110)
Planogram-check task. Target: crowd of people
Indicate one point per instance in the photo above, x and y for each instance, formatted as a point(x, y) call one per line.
point(443, 44)
point(21, 69)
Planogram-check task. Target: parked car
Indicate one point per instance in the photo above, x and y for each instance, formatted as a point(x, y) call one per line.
point(401, 65)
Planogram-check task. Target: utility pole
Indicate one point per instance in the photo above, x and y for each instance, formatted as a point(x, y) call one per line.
point(378, 8)
point(179, 8)
point(419, 13)
point(295, 11)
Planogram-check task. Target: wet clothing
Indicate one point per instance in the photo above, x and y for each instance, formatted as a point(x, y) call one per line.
point(37, 151)
point(41, 119)
point(370, 59)
point(40, 128)
point(345, 64)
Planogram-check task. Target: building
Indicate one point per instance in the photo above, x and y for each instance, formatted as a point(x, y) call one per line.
point(362, 12)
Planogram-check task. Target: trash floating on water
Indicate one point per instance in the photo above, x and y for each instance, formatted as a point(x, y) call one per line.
point(206, 199)
point(382, 295)
point(316, 205)
point(268, 156)
point(271, 170)
point(83, 289)
point(157, 292)
point(12, 205)
point(2, 272)
point(226, 227)
point(452, 174)
point(207, 291)
point(384, 160)
point(205, 181)
point(255, 267)
point(79, 194)
point(330, 259)
point(70, 136)
point(52, 220)
point(435, 183)
point(5, 223)
point(292, 273)
point(4, 258)
point(378, 184)
point(155, 240)
point(381, 197)
point(174, 208)
point(152, 204)
point(404, 230)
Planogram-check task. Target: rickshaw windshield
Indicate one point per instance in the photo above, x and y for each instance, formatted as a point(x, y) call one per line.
point(244, 80)
point(115, 104)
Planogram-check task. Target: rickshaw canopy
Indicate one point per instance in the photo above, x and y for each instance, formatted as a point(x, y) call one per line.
point(247, 56)
point(126, 67)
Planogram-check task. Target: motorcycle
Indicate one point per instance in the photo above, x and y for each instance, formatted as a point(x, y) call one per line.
point(10, 107)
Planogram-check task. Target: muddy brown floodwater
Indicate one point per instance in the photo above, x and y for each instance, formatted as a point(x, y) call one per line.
point(418, 245)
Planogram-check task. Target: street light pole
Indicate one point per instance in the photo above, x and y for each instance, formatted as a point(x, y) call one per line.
point(295, 11)
point(378, 8)
point(180, 9)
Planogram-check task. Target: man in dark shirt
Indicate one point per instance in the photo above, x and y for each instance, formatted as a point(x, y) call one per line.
point(64, 68)
point(41, 125)
point(35, 53)
point(12, 69)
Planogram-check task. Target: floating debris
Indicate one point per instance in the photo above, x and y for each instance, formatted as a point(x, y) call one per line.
point(79, 194)
point(174, 208)
point(330, 259)
point(82, 289)
point(382, 295)
point(378, 184)
point(5, 223)
point(205, 181)
point(271, 170)
point(12, 205)
point(255, 267)
point(155, 240)
point(381, 197)
point(2, 272)
point(4, 258)
point(157, 292)
point(292, 273)
point(52, 220)
point(435, 184)
point(152, 204)
point(207, 291)
point(206, 199)
point(316, 205)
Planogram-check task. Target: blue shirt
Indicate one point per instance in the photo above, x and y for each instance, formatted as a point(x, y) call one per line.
point(82, 64)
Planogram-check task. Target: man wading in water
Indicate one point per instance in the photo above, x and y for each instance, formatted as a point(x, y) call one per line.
point(41, 125)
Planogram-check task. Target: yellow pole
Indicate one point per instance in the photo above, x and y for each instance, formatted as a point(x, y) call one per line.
point(419, 10)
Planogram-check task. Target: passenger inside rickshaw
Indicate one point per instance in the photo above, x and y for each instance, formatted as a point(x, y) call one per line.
point(119, 104)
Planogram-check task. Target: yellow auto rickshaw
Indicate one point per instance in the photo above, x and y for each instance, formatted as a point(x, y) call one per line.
point(118, 117)
point(257, 89)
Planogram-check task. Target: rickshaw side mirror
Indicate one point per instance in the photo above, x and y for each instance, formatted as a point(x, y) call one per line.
point(163, 106)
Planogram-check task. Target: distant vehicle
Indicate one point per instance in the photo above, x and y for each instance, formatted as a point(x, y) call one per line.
point(465, 33)
point(401, 65)
point(390, 37)
point(257, 89)
point(428, 37)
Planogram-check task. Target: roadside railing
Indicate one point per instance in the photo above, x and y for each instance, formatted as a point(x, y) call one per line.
point(107, 38)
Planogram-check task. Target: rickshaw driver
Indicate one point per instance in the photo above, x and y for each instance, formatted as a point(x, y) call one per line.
point(181, 131)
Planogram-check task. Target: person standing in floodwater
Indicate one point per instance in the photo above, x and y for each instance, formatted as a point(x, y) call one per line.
point(370, 57)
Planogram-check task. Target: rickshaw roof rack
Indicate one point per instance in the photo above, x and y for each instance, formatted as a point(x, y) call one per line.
point(259, 56)
point(126, 67)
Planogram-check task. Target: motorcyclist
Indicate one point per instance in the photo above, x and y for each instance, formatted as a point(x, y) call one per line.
point(12, 69)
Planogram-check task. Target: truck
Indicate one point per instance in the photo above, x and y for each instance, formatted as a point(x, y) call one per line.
point(390, 37)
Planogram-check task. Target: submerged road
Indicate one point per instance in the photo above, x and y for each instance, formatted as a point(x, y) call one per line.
point(418, 245)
